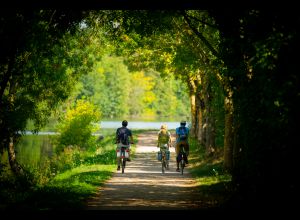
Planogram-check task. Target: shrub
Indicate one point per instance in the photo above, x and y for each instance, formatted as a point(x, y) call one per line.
point(78, 125)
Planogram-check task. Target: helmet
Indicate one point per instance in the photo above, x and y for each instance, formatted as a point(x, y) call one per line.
point(163, 127)
point(124, 123)
point(183, 123)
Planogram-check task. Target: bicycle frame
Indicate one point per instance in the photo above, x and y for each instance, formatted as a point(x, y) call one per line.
point(164, 161)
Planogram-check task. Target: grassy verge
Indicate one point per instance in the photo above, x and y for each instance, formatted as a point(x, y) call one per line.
point(214, 184)
point(70, 187)
point(67, 191)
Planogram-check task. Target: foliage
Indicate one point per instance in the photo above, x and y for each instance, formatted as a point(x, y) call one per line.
point(261, 66)
point(38, 66)
point(78, 125)
point(134, 94)
point(62, 182)
point(66, 191)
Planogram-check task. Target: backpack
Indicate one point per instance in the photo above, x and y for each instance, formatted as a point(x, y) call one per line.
point(164, 137)
point(182, 133)
point(123, 136)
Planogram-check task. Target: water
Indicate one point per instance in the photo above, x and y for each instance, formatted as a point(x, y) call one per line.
point(34, 148)
point(139, 124)
point(131, 125)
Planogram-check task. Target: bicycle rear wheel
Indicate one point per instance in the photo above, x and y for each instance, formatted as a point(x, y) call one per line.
point(123, 164)
point(182, 165)
point(163, 165)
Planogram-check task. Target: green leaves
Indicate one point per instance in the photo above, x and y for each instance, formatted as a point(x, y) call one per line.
point(78, 125)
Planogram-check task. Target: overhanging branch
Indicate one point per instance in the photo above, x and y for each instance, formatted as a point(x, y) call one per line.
point(202, 38)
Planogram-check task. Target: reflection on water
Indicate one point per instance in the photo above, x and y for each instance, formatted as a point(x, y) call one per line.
point(32, 149)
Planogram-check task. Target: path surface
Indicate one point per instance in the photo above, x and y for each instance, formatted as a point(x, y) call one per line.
point(143, 186)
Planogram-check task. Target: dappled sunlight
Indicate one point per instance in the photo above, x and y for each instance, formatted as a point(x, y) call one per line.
point(144, 186)
point(83, 169)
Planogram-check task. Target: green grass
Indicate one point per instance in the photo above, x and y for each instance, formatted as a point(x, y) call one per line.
point(67, 191)
point(214, 184)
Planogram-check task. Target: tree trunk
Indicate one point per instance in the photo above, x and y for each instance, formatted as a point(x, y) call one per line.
point(15, 167)
point(209, 125)
point(10, 138)
point(199, 131)
point(209, 133)
point(192, 89)
point(194, 116)
point(228, 136)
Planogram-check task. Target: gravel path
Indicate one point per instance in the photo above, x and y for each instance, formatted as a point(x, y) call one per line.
point(144, 187)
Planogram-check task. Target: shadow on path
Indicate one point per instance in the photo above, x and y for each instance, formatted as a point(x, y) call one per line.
point(144, 186)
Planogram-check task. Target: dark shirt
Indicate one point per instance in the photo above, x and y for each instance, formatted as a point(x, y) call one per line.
point(127, 131)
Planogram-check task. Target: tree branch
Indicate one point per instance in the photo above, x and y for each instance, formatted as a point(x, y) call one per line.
point(202, 38)
point(201, 21)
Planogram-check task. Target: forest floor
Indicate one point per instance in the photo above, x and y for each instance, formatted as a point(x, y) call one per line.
point(143, 186)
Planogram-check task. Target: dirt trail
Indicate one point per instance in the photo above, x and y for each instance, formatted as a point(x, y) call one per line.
point(143, 186)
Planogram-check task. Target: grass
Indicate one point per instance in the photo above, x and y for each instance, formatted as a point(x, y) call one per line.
point(70, 189)
point(67, 190)
point(214, 184)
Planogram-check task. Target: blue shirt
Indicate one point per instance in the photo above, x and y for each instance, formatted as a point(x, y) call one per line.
point(177, 132)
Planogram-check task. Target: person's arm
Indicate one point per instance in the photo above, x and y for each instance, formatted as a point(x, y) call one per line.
point(170, 140)
point(130, 137)
point(158, 140)
point(116, 140)
point(176, 134)
point(131, 140)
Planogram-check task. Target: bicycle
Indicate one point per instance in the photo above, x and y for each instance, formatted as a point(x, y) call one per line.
point(164, 158)
point(181, 159)
point(123, 153)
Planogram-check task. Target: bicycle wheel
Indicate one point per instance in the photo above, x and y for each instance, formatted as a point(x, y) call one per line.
point(123, 164)
point(182, 165)
point(163, 165)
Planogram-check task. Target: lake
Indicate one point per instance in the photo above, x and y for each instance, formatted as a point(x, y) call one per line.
point(34, 148)
point(139, 124)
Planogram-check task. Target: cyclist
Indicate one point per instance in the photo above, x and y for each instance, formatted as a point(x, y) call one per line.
point(123, 138)
point(164, 137)
point(182, 133)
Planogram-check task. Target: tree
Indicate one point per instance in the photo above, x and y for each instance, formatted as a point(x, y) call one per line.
point(259, 50)
point(38, 68)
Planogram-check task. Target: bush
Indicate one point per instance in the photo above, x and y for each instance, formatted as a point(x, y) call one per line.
point(78, 125)
point(69, 158)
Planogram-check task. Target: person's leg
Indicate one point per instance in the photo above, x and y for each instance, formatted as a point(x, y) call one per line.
point(177, 152)
point(128, 159)
point(168, 156)
point(187, 151)
point(119, 162)
point(118, 159)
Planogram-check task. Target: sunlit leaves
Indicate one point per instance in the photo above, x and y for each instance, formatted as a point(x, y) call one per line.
point(78, 124)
